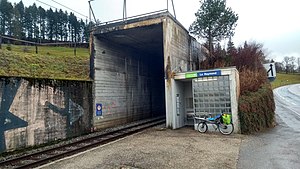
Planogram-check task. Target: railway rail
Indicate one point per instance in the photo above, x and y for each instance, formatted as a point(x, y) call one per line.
point(48, 155)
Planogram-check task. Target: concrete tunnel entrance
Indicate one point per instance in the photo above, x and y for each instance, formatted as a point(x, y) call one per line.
point(134, 63)
point(129, 75)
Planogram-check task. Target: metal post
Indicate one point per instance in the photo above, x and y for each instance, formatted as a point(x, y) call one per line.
point(89, 12)
point(173, 9)
point(298, 61)
point(168, 5)
point(75, 47)
point(124, 10)
point(36, 45)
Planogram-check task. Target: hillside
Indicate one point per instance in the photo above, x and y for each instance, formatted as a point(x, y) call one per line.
point(283, 79)
point(51, 62)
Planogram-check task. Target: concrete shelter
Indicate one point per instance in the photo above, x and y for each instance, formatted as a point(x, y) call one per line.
point(135, 66)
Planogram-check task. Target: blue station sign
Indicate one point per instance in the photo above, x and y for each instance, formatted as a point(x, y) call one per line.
point(203, 74)
point(209, 73)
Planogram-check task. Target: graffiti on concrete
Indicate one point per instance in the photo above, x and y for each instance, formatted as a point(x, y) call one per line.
point(72, 110)
point(108, 107)
point(8, 120)
point(34, 112)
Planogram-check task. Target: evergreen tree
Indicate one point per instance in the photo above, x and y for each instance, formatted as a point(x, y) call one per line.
point(18, 20)
point(50, 24)
point(72, 27)
point(214, 22)
point(34, 23)
point(6, 14)
point(65, 28)
point(56, 25)
point(28, 23)
point(60, 23)
point(34, 17)
point(16, 24)
point(42, 22)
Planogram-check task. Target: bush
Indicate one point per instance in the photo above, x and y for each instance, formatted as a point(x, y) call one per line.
point(250, 56)
point(8, 47)
point(257, 110)
point(251, 81)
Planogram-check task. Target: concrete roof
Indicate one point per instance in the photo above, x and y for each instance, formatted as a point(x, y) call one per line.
point(144, 32)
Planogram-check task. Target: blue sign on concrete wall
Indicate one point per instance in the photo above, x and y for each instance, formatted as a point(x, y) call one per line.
point(98, 109)
point(209, 73)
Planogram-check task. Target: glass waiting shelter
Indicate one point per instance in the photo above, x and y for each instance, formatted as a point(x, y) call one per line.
point(205, 93)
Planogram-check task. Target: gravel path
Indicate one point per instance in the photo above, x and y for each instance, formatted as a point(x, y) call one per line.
point(160, 148)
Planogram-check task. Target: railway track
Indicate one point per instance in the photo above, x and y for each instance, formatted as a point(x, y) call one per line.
point(59, 152)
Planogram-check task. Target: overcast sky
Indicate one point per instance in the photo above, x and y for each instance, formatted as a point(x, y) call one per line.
point(274, 23)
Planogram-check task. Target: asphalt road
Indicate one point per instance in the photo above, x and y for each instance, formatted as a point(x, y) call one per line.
point(277, 148)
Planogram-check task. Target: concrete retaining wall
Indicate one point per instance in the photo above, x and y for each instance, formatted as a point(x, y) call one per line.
point(38, 111)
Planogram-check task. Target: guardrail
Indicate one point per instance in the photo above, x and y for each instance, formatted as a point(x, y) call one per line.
point(132, 17)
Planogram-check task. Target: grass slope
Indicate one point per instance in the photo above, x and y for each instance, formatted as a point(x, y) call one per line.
point(285, 79)
point(51, 62)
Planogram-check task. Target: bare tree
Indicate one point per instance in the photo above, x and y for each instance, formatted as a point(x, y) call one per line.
point(293, 66)
point(298, 60)
point(279, 66)
point(290, 64)
point(286, 62)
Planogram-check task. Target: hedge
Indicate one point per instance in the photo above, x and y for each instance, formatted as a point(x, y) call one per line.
point(257, 110)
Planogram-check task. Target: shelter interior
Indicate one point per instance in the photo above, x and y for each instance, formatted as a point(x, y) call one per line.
point(136, 53)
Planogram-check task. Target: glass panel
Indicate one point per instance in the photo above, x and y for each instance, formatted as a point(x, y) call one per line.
point(212, 95)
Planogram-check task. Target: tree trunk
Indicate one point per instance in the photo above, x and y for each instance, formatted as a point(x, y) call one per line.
point(210, 46)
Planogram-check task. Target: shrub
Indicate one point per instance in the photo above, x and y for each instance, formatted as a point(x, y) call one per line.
point(257, 109)
point(8, 47)
point(26, 49)
point(256, 104)
point(250, 56)
point(251, 81)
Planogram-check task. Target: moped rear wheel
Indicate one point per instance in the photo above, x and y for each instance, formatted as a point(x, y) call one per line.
point(202, 127)
point(226, 129)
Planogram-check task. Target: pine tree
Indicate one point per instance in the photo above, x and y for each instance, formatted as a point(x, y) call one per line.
point(214, 22)
point(42, 22)
point(28, 23)
point(50, 24)
point(6, 14)
point(18, 20)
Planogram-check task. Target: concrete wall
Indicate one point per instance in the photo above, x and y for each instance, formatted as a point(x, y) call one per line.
point(37, 111)
point(127, 84)
point(182, 53)
point(134, 64)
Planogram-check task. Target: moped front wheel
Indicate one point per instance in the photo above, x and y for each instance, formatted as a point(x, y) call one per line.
point(202, 127)
point(226, 129)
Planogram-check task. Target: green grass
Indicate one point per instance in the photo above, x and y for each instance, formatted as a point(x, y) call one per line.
point(50, 62)
point(283, 79)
